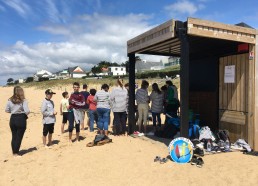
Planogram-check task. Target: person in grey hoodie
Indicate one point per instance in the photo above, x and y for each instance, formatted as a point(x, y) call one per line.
point(49, 117)
point(17, 105)
point(119, 102)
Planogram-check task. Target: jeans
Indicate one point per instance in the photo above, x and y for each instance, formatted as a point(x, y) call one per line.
point(18, 126)
point(103, 118)
point(71, 123)
point(155, 117)
point(119, 122)
point(93, 115)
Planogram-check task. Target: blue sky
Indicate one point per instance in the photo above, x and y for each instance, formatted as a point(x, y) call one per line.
point(56, 34)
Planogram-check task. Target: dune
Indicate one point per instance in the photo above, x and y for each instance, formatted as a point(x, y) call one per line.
point(125, 161)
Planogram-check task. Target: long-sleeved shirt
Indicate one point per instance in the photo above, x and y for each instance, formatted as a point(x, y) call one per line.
point(47, 110)
point(141, 96)
point(76, 101)
point(21, 108)
point(157, 102)
point(103, 99)
point(119, 99)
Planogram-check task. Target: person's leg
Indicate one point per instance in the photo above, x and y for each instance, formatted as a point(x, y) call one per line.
point(123, 122)
point(51, 131)
point(83, 118)
point(45, 132)
point(77, 127)
point(91, 118)
point(140, 116)
point(14, 133)
point(145, 116)
point(154, 116)
point(71, 125)
point(100, 120)
point(106, 120)
point(116, 129)
point(159, 119)
point(21, 127)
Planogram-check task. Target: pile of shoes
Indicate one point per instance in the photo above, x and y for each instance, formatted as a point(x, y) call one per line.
point(198, 161)
point(160, 160)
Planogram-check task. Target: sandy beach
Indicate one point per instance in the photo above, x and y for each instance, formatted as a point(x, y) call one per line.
point(126, 161)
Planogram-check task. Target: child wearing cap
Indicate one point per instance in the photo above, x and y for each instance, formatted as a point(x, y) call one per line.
point(64, 109)
point(49, 117)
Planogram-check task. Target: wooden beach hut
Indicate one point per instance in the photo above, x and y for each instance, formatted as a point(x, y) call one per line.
point(219, 73)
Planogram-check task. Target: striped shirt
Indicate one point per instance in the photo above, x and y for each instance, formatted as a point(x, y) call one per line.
point(119, 99)
point(157, 101)
point(103, 99)
point(142, 96)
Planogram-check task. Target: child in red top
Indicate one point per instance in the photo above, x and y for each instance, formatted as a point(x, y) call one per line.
point(92, 109)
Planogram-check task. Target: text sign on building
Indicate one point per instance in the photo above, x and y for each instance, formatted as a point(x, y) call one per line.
point(229, 76)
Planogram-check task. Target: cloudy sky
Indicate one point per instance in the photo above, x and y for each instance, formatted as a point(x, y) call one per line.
point(56, 34)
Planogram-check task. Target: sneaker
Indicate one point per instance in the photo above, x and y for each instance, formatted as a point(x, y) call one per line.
point(198, 152)
point(136, 132)
point(194, 160)
point(141, 134)
point(199, 163)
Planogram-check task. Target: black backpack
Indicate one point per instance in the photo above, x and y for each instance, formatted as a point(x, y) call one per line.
point(223, 135)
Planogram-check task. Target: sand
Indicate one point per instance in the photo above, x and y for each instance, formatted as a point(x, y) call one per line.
point(126, 161)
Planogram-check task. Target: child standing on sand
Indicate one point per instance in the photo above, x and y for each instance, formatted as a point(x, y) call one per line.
point(93, 115)
point(64, 109)
point(49, 117)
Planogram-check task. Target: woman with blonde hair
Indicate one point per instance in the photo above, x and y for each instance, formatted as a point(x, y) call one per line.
point(17, 105)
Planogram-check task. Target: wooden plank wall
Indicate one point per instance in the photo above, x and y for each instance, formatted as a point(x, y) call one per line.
point(233, 97)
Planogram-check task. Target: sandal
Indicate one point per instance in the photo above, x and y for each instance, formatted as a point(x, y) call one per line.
point(194, 160)
point(163, 160)
point(200, 162)
point(90, 144)
point(157, 159)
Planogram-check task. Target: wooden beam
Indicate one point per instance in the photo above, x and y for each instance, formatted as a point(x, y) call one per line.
point(217, 30)
point(256, 95)
point(250, 107)
point(131, 102)
point(160, 33)
point(184, 81)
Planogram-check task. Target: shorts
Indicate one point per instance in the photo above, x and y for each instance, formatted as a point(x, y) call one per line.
point(65, 117)
point(48, 128)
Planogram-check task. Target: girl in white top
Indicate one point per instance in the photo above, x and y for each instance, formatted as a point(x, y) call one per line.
point(119, 101)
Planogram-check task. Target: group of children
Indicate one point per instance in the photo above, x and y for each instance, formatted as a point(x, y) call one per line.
point(97, 105)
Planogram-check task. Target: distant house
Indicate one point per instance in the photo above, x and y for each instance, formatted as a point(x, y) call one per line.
point(64, 74)
point(76, 72)
point(143, 65)
point(172, 61)
point(116, 71)
point(42, 74)
point(104, 72)
point(21, 80)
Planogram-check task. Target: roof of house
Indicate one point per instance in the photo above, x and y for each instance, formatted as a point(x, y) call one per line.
point(71, 70)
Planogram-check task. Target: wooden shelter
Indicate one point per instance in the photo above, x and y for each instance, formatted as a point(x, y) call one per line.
point(219, 75)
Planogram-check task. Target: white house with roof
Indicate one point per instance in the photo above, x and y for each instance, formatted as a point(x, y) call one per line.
point(76, 72)
point(42, 74)
point(116, 71)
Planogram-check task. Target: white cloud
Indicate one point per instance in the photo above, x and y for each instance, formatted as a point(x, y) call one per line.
point(183, 8)
point(86, 41)
point(20, 7)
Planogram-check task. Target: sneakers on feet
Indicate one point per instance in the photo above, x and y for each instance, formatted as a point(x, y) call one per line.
point(141, 134)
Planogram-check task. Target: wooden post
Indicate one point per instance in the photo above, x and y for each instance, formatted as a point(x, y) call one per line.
point(250, 107)
point(184, 81)
point(131, 102)
point(256, 94)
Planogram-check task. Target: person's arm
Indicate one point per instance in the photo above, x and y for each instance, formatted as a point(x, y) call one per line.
point(8, 107)
point(44, 111)
point(26, 107)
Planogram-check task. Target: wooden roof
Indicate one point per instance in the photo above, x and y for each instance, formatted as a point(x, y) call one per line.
point(163, 40)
